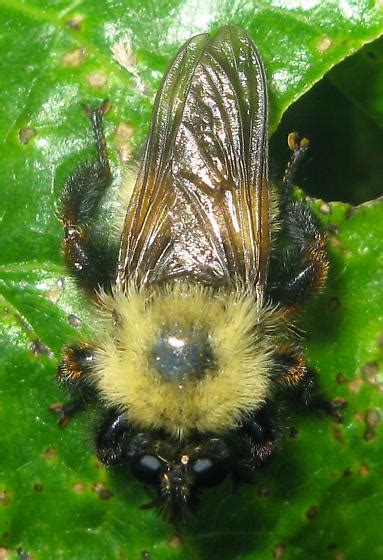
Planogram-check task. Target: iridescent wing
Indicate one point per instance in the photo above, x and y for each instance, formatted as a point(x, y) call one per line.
point(200, 207)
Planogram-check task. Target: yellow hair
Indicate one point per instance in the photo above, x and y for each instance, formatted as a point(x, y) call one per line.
point(237, 383)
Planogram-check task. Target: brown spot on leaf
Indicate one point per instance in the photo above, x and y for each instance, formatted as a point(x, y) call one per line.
point(312, 512)
point(370, 371)
point(4, 498)
point(3, 553)
point(26, 134)
point(338, 434)
point(372, 419)
point(372, 374)
point(175, 542)
point(97, 79)
point(145, 555)
point(39, 348)
point(50, 453)
point(38, 487)
point(264, 491)
point(102, 491)
point(74, 321)
point(354, 386)
point(323, 44)
point(336, 407)
point(340, 378)
point(347, 472)
point(73, 58)
point(279, 551)
point(335, 242)
point(79, 487)
point(334, 304)
point(364, 470)
point(125, 153)
point(325, 208)
point(56, 407)
point(54, 294)
point(75, 22)
point(123, 54)
point(124, 133)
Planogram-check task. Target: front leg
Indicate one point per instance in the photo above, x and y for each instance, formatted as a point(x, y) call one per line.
point(258, 439)
point(296, 376)
point(112, 432)
point(76, 368)
point(75, 373)
point(300, 382)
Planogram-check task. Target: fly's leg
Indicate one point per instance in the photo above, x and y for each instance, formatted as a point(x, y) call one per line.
point(87, 252)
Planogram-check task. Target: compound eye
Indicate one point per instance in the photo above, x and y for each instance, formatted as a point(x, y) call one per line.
point(147, 469)
point(208, 472)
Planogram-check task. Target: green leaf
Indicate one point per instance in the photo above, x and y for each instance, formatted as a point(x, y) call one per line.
point(342, 116)
point(367, 91)
point(320, 497)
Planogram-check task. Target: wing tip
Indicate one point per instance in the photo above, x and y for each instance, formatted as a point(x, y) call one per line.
point(232, 30)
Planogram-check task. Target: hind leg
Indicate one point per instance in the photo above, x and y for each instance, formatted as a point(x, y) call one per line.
point(299, 265)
